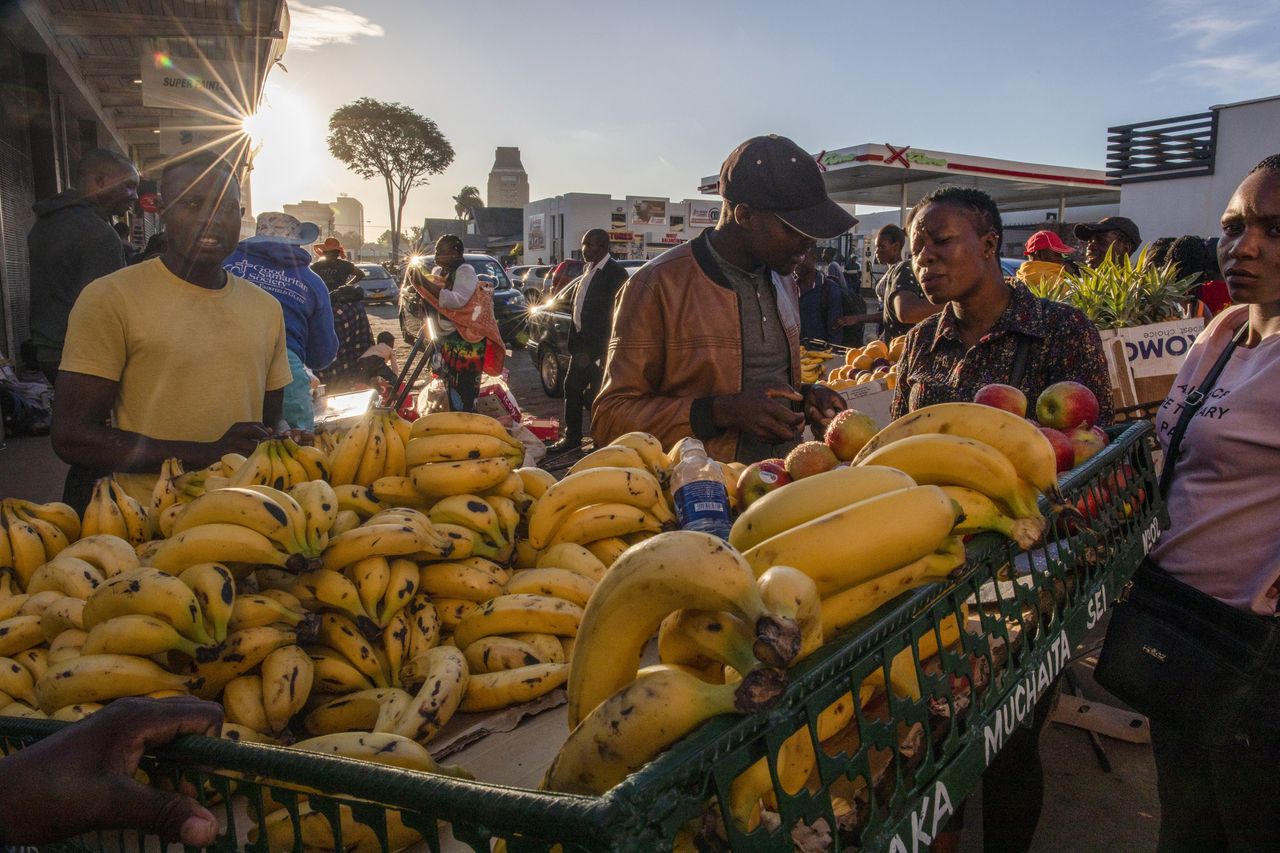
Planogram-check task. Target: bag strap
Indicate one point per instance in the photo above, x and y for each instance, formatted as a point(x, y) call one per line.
point(1021, 353)
point(1194, 400)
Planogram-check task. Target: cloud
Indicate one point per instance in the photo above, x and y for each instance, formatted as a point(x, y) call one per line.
point(311, 27)
point(1231, 72)
point(1227, 47)
point(1209, 30)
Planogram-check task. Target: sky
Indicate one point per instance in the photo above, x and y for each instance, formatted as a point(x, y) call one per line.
point(647, 98)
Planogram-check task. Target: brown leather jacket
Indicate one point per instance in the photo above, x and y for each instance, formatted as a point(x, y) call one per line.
point(677, 342)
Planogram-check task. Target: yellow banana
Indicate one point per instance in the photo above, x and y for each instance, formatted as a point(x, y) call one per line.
point(493, 654)
point(948, 460)
point(401, 588)
point(861, 541)
point(424, 625)
point(167, 519)
point(319, 505)
point(12, 605)
point(256, 468)
point(370, 576)
point(607, 550)
point(65, 613)
point(609, 457)
point(632, 486)
point(287, 677)
point(452, 611)
point(444, 675)
point(151, 592)
point(37, 602)
point(111, 555)
point(67, 646)
point(648, 449)
point(358, 499)
point(790, 592)
point(136, 524)
point(549, 647)
point(26, 548)
point(639, 720)
point(507, 614)
point(707, 641)
point(217, 543)
point(294, 470)
point(36, 660)
point(525, 556)
point(560, 583)
point(75, 713)
point(575, 558)
point(68, 575)
point(250, 610)
point(334, 674)
point(455, 580)
point(399, 491)
point(672, 571)
point(374, 458)
point(137, 634)
point(440, 423)
point(395, 645)
point(243, 705)
point(458, 447)
point(16, 681)
point(469, 511)
point(346, 457)
point(603, 521)
point(352, 712)
point(811, 497)
point(101, 678)
point(845, 608)
point(313, 461)
point(395, 464)
point(536, 481)
point(56, 513)
point(325, 589)
point(240, 654)
point(459, 478)
point(51, 535)
point(374, 540)
point(978, 512)
point(215, 590)
point(490, 691)
point(1019, 440)
point(341, 634)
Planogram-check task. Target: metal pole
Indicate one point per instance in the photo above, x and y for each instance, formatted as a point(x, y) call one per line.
point(902, 212)
point(1062, 208)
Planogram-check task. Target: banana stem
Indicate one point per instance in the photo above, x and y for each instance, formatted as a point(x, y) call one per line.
point(777, 640)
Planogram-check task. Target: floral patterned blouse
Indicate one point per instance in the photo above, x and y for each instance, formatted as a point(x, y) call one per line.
point(936, 367)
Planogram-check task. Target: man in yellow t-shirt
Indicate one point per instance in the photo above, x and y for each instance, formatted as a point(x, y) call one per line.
point(187, 359)
point(1046, 256)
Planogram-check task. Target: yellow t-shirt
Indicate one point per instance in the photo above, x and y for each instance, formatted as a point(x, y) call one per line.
point(190, 361)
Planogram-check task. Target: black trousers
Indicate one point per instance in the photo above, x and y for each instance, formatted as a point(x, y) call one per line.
point(581, 384)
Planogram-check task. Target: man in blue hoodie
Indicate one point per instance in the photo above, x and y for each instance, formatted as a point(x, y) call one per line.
point(275, 261)
point(72, 243)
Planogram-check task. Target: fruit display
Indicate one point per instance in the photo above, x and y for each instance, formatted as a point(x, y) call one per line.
point(1121, 291)
point(876, 361)
point(1066, 414)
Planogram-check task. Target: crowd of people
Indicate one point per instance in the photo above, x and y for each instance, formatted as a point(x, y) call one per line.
point(209, 347)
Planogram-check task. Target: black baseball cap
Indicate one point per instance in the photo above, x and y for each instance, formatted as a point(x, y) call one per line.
point(1123, 224)
point(773, 174)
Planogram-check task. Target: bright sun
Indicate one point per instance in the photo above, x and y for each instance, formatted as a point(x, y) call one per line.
point(288, 138)
point(255, 126)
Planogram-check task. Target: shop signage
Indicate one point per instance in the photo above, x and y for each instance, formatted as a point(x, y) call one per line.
point(621, 236)
point(536, 238)
point(919, 158)
point(827, 159)
point(703, 214)
point(672, 238)
point(647, 211)
point(193, 84)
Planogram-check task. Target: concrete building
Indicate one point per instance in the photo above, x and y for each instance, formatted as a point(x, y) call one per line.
point(152, 81)
point(639, 227)
point(317, 212)
point(508, 181)
point(348, 215)
point(1176, 175)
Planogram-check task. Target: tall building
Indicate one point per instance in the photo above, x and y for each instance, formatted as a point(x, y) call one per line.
point(348, 215)
point(321, 213)
point(508, 181)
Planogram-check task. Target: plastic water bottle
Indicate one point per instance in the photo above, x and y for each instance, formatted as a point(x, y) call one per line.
point(702, 503)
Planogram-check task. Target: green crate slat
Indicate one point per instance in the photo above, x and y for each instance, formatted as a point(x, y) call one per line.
point(1027, 627)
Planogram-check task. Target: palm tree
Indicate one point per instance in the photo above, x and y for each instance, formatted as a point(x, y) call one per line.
point(466, 202)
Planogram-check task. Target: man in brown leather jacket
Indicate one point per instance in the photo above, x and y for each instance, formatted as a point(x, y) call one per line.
point(706, 338)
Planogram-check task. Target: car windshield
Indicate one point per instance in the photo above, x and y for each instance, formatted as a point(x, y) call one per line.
point(374, 272)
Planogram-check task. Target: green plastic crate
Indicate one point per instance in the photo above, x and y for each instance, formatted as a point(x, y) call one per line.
point(901, 769)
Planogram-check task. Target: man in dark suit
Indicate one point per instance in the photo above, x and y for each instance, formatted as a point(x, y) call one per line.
point(589, 333)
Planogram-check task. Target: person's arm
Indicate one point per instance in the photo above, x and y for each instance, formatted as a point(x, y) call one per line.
point(911, 308)
point(464, 287)
point(821, 404)
point(273, 406)
point(100, 256)
point(81, 779)
point(356, 276)
point(81, 437)
point(835, 310)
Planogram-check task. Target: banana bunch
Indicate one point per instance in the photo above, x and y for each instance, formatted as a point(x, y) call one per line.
point(596, 503)
point(245, 526)
point(265, 701)
point(374, 447)
point(392, 533)
point(812, 363)
point(277, 462)
point(31, 534)
point(672, 571)
point(457, 453)
point(112, 511)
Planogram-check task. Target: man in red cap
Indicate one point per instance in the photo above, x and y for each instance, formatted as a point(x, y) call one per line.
point(706, 337)
point(1045, 252)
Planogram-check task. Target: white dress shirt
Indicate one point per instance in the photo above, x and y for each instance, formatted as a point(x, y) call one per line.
point(580, 298)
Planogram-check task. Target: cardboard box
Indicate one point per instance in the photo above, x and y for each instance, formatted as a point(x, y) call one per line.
point(1144, 360)
point(872, 398)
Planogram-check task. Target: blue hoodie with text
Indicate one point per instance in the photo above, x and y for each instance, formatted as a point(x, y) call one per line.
point(284, 271)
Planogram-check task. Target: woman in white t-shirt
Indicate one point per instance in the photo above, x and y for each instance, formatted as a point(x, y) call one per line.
point(1222, 540)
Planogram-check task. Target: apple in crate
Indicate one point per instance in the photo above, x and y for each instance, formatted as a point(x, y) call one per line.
point(848, 432)
point(1063, 450)
point(760, 478)
point(1067, 405)
point(1002, 397)
point(1087, 442)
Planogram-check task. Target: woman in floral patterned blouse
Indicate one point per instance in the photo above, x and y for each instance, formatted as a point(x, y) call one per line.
point(986, 328)
point(955, 251)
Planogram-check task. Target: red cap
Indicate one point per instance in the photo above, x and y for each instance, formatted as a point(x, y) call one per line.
point(1047, 240)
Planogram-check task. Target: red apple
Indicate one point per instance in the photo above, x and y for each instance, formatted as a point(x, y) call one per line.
point(1062, 448)
point(809, 458)
point(1002, 397)
point(848, 432)
point(760, 478)
point(1087, 442)
point(1066, 405)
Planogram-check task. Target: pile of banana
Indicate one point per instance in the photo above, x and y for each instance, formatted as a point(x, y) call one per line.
point(277, 462)
point(374, 447)
point(813, 364)
point(31, 534)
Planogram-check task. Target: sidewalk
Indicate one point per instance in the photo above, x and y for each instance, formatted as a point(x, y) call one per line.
point(30, 470)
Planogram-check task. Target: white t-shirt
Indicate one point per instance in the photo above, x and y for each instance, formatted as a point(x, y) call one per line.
point(464, 287)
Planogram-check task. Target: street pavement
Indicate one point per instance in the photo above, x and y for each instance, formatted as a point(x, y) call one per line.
point(1086, 809)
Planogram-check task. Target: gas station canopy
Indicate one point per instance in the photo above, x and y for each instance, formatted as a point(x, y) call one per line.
point(899, 176)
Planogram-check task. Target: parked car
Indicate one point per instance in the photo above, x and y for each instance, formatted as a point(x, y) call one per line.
point(565, 272)
point(509, 306)
point(632, 265)
point(378, 285)
point(548, 343)
point(532, 281)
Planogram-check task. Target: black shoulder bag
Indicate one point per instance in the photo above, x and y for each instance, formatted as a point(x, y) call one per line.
point(1182, 657)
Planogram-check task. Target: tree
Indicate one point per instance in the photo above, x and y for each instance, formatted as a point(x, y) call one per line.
point(389, 140)
point(466, 202)
point(351, 241)
point(391, 239)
